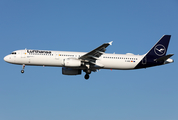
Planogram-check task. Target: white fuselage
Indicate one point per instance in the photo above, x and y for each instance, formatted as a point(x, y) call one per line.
point(73, 63)
point(55, 58)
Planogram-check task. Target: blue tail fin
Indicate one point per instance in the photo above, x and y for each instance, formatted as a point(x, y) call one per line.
point(160, 48)
point(157, 51)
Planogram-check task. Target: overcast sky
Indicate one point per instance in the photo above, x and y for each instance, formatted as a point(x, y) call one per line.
point(43, 93)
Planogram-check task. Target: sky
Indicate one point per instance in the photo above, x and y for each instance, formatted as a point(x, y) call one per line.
point(43, 93)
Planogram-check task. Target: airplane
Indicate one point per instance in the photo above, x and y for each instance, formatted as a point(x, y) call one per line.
point(73, 63)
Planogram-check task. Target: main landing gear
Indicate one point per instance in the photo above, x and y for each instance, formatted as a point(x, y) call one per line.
point(87, 74)
point(23, 67)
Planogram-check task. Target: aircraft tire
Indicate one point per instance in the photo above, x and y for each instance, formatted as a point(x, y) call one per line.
point(87, 76)
point(22, 71)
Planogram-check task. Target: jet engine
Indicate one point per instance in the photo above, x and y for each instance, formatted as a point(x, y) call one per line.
point(70, 71)
point(71, 62)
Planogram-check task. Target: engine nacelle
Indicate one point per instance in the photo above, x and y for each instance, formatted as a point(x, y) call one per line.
point(70, 71)
point(71, 62)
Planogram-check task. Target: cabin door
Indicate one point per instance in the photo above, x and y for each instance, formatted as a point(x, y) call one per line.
point(23, 54)
point(57, 56)
point(144, 61)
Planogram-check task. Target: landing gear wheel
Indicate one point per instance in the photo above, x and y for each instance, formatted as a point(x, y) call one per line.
point(22, 71)
point(23, 67)
point(87, 76)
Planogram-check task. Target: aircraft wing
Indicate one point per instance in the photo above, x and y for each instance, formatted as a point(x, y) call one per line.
point(93, 55)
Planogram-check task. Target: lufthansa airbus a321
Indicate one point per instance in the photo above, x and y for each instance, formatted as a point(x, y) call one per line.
point(73, 63)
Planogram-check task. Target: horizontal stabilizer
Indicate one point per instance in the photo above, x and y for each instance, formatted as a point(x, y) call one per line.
point(164, 58)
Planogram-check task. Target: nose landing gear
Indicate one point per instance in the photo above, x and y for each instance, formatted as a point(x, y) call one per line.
point(23, 67)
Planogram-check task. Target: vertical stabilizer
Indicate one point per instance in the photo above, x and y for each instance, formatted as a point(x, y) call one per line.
point(155, 53)
point(160, 48)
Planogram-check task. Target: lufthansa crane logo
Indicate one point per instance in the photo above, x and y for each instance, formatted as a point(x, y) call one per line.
point(159, 50)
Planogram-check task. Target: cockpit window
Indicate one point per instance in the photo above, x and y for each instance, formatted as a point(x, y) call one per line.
point(13, 53)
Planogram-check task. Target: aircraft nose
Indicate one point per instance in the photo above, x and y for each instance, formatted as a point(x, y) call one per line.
point(6, 58)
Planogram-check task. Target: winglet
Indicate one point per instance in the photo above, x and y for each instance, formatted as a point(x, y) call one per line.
point(110, 43)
